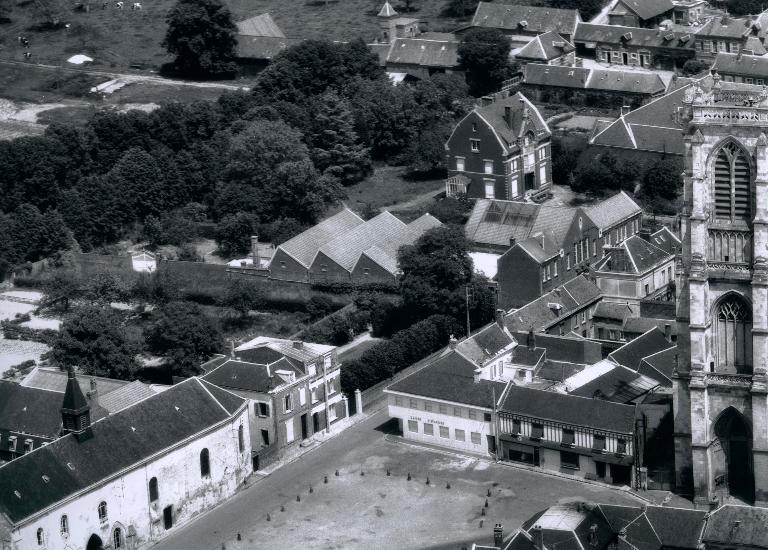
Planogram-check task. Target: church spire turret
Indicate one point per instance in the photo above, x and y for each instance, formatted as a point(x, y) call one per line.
point(75, 410)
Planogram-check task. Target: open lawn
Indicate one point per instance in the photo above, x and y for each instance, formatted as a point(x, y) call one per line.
point(387, 186)
point(123, 38)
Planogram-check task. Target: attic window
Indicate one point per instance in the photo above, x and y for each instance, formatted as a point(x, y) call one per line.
point(18, 494)
point(46, 479)
point(627, 36)
point(523, 23)
point(70, 466)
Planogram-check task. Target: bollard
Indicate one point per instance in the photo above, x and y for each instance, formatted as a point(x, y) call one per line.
point(269, 518)
point(337, 473)
point(427, 480)
point(388, 472)
point(362, 473)
point(488, 493)
point(282, 508)
point(482, 511)
point(409, 476)
point(486, 503)
point(448, 485)
point(298, 498)
point(311, 490)
point(239, 537)
point(481, 523)
point(325, 479)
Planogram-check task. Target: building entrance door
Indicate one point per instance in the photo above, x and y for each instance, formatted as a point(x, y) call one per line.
point(94, 543)
point(304, 426)
point(733, 459)
point(168, 517)
point(316, 422)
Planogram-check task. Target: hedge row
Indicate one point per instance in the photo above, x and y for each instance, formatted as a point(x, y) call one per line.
point(405, 348)
point(12, 331)
point(349, 288)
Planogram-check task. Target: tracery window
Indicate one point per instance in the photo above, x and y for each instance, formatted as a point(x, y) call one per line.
point(732, 189)
point(733, 333)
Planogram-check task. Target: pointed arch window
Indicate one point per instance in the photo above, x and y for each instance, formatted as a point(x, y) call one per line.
point(734, 335)
point(732, 188)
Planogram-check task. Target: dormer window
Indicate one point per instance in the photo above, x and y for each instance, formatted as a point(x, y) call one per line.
point(474, 145)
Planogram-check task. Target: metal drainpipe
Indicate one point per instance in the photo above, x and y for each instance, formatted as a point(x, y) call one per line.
point(325, 392)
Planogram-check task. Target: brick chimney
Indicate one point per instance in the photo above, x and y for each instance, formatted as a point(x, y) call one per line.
point(500, 317)
point(255, 250)
point(477, 374)
point(498, 535)
point(452, 342)
point(531, 341)
point(538, 537)
point(668, 332)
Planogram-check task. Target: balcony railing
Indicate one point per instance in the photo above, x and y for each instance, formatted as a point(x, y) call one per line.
point(730, 115)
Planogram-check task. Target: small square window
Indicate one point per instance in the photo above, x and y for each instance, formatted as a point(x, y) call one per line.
point(474, 144)
point(443, 409)
point(487, 417)
point(458, 435)
point(282, 265)
point(444, 432)
point(475, 437)
point(456, 411)
point(427, 406)
point(413, 404)
point(429, 429)
point(263, 409)
point(399, 401)
point(471, 414)
point(413, 426)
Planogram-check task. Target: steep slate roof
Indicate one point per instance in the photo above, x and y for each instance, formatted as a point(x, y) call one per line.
point(726, 27)
point(564, 348)
point(633, 36)
point(485, 343)
point(614, 310)
point(537, 19)
point(633, 255)
point(569, 409)
point(450, 378)
point(424, 52)
point(660, 365)
point(386, 10)
point(568, 526)
point(304, 246)
point(304, 352)
point(260, 25)
point(632, 353)
point(607, 213)
point(56, 380)
point(138, 432)
point(646, 9)
point(263, 47)
point(677, 527)
point(241, 375)
point(611, 80)
point(537, 315)
point(545, 47)
point(126, 396)
point(754, 45)
point(618, 384)
point(524, 115)
point(666, 240)
point(29, 410)
point(737, 525)
point(641, 325)
point(755, 66)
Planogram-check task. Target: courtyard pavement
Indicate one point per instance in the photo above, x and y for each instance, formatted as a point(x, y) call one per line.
point(364, 507)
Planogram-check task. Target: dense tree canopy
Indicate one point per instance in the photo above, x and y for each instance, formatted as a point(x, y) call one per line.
point(484, 55)
point(94, 340)
point(202, 36)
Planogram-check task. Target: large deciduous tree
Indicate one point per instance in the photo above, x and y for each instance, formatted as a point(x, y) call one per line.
point(185, 336)
point(202, 36)
point(94, 340)
point(484, 55)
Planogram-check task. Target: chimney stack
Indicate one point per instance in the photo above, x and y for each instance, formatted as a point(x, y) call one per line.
point(625, 110)
point(593, 542)
point(508, 115)
point(477, 374)
point(531, 340)
point(668, 332)
point(498, 535)
point(538, 537)
point(232, 349)
point(452, 342)
point(512, 242)
point(255, 250)
point(500, 318)
point(298, 344)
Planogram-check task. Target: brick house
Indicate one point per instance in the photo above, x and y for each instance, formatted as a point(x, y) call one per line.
point(738, 67)
point(635, 46)
point(721, 35)
point(293, 391)
point(500, 150)
point(640, 13)
point(544, 246)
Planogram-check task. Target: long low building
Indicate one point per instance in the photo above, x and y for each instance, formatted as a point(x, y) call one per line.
point(347, 249)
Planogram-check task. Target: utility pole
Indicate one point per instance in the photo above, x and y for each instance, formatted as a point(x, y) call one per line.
point(466, 292)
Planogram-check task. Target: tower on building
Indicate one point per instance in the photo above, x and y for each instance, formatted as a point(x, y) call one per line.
point(75, 410)
point(720, 390)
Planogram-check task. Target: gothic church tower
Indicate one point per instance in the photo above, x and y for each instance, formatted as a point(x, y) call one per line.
point(720, 393)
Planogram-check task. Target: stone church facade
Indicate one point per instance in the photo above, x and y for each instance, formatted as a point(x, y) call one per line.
point(720, 389)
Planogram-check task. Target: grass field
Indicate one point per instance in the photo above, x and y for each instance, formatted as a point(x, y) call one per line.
point(387, 186)
point(120, 39)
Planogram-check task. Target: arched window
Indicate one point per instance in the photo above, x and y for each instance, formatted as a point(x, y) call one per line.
point(240, 440)
point(732, 188)
point(205, 464)
point(117, 538)
point(153, 493)
point(733, 333)
point(40, 537)
point(64, 525)
point(102, 511)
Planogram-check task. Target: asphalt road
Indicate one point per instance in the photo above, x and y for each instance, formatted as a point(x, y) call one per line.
point(362, 446)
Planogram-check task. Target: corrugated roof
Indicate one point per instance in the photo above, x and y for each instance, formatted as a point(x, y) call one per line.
point(525, 18)
point(569, 409)
point(119, 442)
point(260, 25)
point(304, 246)
point(424, 52)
